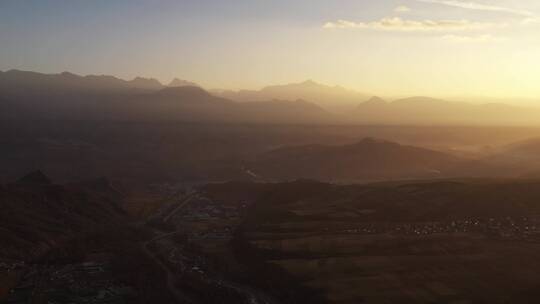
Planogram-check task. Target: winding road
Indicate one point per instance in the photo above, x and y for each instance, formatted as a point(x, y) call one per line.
point(252, 296)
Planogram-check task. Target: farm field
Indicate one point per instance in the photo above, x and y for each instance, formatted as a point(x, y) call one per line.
point(384, 256)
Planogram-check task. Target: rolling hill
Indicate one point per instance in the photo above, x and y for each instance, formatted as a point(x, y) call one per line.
point(368, 159)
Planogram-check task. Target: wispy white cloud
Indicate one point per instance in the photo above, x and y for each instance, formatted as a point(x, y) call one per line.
point(479, 6)
point(399, 24)
point(467, 39)
point(402, 9)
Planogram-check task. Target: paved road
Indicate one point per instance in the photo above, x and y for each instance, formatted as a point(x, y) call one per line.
point(184, 202)
point(171, 278)
point(253, 296)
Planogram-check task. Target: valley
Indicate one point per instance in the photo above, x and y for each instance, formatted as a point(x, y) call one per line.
point(269, 152)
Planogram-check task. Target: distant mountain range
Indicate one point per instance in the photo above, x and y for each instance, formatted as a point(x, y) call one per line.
point(195, 104)
point(426, 110)
point(182, 83)
point(14, 80)
point(334, 98)
point(68, 96)
point(29, 95)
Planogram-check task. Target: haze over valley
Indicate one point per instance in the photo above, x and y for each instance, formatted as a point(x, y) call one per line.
point(269, 152)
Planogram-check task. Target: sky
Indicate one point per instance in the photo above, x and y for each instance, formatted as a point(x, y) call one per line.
point(383, 47)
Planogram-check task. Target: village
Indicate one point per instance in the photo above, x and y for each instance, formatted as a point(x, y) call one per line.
point(87, 282)
point(523, 228)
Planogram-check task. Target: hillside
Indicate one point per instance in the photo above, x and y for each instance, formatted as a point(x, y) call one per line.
point(38, 215)
point(369, 159)
point(520, 156)
point(181, 83)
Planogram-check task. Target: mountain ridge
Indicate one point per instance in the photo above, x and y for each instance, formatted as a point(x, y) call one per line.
point(95, 97)
point(366, 159)
point(332, 98)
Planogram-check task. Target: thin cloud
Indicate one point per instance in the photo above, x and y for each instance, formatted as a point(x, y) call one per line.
point(529, 21)
point(479, 6)
point(402, 9)
point(471, 39)
point(399, 24)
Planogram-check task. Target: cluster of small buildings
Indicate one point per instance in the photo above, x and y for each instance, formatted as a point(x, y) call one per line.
point(223, 233)
point(10, 266)
point(88, 282)
point(506, 227)
point(208, 210)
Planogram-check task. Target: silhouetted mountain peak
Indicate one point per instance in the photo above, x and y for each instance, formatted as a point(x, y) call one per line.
point(35, 178)
point(149, 83)
point(310, 82)
point(375, 100)
point(419, 100)
point(181, 83)
point(372, 141)
point(15, 72)
point(69, 75)
point(105, 78)
point(326, 96)
point(184, 91)
point(298, 87)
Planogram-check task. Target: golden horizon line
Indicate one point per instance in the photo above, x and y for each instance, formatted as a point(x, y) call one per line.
point(447, 97)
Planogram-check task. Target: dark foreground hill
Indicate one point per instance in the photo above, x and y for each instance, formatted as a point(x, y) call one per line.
point(38, 215)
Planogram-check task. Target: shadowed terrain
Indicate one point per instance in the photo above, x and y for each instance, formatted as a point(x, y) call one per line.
point(429, 242)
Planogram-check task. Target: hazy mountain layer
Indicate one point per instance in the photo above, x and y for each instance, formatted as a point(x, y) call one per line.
point(369, 159)
point(430, 111)
point(334, 98)
point(28, 95)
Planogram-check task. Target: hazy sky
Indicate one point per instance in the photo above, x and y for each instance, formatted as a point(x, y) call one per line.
point(385, 47)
